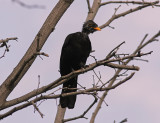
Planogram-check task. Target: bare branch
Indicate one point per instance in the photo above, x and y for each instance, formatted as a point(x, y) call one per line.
point(149, 41)
point(128, 2)
point(89, 5)
point(7, 39)
point(116, 16)
point(141, 45)
point(10, 112)
point(94, 9)
point(94, 114)
point(13, 79)
point(4, 42)
point(99, 78)
point(6, 50)
point(66, 94)
point(71, 75)
point(34, 50)
point(143, 39)
point(123, 66)
point(63, 79)
point(113, 52)
point(34, 105)
point(60, 114)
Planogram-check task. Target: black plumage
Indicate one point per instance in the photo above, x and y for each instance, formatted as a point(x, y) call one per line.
point(75, 51)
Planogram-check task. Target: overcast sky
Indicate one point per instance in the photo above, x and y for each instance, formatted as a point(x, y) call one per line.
point(138, 99)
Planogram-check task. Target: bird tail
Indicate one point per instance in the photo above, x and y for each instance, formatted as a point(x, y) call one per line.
point(69, 86)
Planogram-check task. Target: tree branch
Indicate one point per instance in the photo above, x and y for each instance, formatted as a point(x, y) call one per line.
point(94, 114)
point(89, 6)
point(4, 42)
point(141, 45)
point(94, 89)
point(94, 9)
point(34, 105)
point(60, 114)
point(7, 39)
point(116, 16)
point(13, 79)
point(34, 50)
point(63, 79)
point(71, 75)
point(128, 2)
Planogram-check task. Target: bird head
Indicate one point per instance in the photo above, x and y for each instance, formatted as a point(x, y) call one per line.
point(90, 27)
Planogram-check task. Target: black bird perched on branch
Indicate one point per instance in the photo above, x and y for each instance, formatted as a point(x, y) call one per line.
point(75, 51)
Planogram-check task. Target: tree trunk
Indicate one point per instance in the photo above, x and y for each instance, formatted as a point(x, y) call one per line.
point(13, 79)
point(60, 115)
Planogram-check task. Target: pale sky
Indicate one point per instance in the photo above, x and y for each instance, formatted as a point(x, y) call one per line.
point(137, 100)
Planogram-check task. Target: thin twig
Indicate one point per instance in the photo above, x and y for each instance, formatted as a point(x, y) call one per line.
point(8, 39)
point(89, 5)
point(128, 2)
point(112, 52)
point(144, 60)
point(4, 53)
point(143, 39)
point(116, 9)
point(4, 42)
point(38, 87)
point(99, 78)
point(34, 105)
